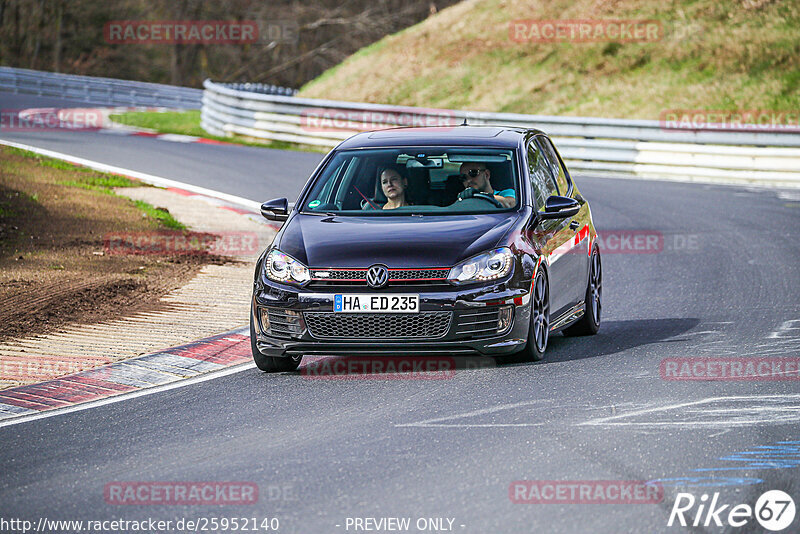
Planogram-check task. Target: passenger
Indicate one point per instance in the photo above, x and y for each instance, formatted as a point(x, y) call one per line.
point(476, 178)
point(394, 187)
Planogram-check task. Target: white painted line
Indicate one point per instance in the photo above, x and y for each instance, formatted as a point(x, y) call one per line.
point(741, 415)
point(720, 433)
point(130, 395)
point(469, 425)
point(436, 422)
point(161, 182)
point(251, 205)
point(784, 330)
point(713, 424)
point(635, 413)
point(778, 343)
point(178, 138)
point(782, 409)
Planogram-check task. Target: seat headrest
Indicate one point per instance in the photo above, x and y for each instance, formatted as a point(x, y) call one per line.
point(500, 175)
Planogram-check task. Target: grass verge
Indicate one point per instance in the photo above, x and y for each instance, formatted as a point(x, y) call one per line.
point(709, 55)
point(188, 123)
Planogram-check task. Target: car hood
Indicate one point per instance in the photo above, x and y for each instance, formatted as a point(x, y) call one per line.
point(407, 241)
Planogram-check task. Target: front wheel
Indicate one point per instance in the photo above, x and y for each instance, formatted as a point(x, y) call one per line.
point(539, 331)
point(270, 364)
point(589, 324)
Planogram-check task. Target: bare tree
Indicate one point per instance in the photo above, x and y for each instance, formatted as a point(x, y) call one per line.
point(68, 35)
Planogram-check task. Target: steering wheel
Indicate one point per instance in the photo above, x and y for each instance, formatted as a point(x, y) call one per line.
point(370, 204)
point(488, 198)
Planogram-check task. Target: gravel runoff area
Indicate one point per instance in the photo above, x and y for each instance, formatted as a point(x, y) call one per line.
point(215, 300)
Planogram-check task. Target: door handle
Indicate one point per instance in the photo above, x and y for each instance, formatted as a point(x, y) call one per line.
point(574, 225)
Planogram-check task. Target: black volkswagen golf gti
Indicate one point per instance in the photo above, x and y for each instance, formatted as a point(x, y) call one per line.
point(414, 241)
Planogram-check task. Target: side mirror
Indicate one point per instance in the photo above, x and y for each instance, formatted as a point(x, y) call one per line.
point(557, 207)
point(276, 209)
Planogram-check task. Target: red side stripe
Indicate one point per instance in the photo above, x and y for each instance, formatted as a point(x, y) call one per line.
point(22, 403)
point(38, 399)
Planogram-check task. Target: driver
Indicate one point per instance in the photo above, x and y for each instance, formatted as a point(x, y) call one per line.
point(476, 178)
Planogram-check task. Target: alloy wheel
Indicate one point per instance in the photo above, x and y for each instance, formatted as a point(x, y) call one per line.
point(540, 313)
point(596, 288)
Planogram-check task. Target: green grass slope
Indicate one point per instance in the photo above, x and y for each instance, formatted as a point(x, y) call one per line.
point(729, 55)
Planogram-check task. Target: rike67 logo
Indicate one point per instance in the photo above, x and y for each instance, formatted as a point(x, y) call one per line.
point(774, 511)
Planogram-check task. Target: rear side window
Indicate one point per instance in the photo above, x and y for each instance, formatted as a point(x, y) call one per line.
point(556, 167)
point(542, 184)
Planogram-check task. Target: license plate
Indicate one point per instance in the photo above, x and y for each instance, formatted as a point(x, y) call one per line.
point(376, 303)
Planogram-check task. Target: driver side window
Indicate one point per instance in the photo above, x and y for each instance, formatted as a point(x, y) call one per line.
point(542, 183)
point(347, 197)
point(555, 164)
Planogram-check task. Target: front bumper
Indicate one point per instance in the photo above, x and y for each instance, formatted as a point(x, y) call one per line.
point(460, 336)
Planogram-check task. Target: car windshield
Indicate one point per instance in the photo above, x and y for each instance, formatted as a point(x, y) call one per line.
point(409, 181)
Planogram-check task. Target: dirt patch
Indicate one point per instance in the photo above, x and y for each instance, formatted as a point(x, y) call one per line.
point(54, 265)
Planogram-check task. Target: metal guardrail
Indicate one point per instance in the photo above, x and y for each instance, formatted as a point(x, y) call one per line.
point(639, 147)
point(263, 88)
point(98, 91)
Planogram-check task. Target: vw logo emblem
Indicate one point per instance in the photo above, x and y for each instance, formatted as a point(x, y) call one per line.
point(377, 276)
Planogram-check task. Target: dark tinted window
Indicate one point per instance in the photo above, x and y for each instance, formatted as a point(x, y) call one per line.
point(542, 184)
point(555, 165)
point(430, 177)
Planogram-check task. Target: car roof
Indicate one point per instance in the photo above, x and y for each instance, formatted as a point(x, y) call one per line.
point(486, 136)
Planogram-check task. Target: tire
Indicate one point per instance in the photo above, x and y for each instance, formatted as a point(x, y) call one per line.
point(539, 330)
point(589, 324)
point(270, 364)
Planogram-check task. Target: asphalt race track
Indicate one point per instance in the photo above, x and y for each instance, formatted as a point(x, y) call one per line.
point(722, 281)
point(233, 169)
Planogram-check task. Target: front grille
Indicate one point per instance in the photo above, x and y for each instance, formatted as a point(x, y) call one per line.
point(418, 274)
point(358, 277)
point(478, 322)
point(328, 325)
point(334, 274)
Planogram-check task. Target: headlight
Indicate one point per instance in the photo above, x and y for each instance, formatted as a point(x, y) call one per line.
point(281, 267)
point(487, 266)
